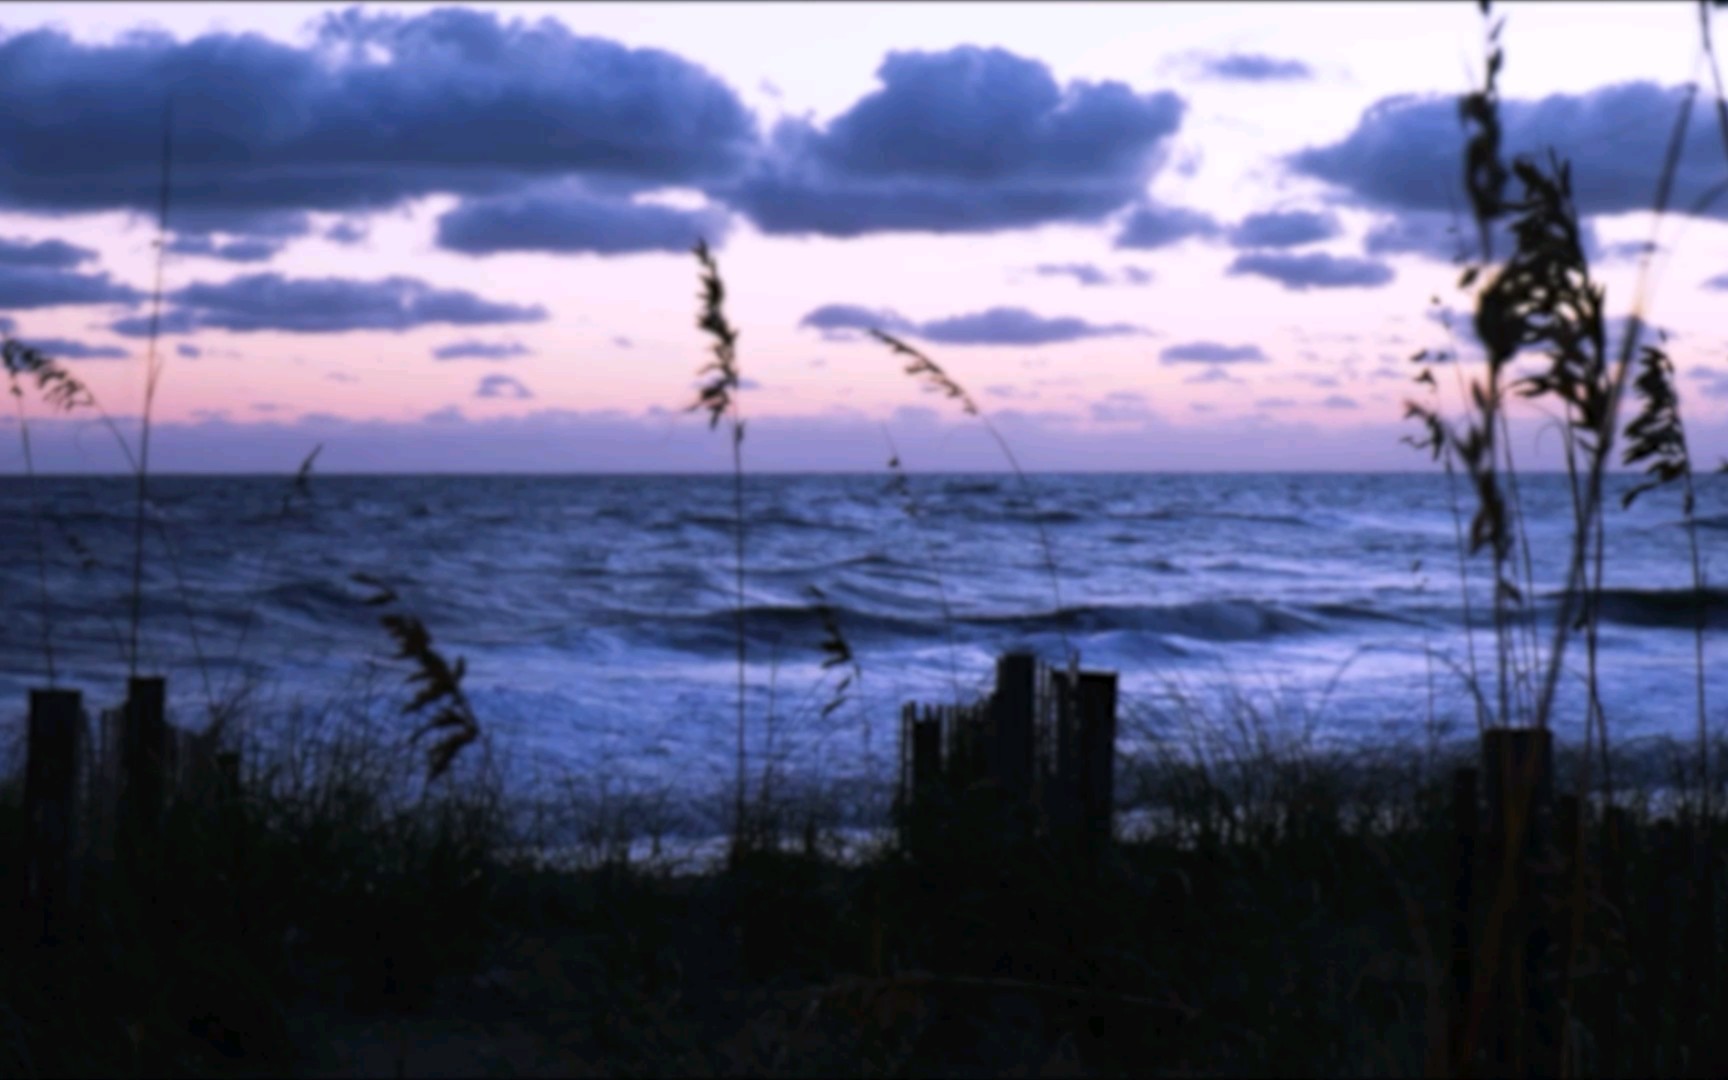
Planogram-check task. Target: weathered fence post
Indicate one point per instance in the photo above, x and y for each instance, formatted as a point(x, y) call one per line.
point(1467, 1012)
point(1523, 1033)
point(921, 775)
point(50, 786)
point(1059, 794)
point(1097, 700)
point(1013, 705)
point(143, 759)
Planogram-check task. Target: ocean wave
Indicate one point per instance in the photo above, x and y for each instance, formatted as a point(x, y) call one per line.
point(1208, 620)
point(1674, 609)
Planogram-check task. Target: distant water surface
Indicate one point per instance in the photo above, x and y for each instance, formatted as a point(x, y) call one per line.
point(596, 613)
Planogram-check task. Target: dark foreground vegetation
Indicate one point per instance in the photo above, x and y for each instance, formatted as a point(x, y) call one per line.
point(1265, 912)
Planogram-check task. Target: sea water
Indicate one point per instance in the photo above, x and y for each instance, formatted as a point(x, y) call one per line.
point(597, 615)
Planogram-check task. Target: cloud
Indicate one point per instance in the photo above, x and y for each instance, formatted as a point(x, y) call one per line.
point(346, 233)
point(1406, 152)
point(548, 440)
point(481, 350)
point(836, 321)
point(967, 140)
point(1016, 326)
point(170, 322)
point(1275, 403)
point(67, 349)
point(1252, 67)
point(1313, 270)
point(1084, 273)
point(1714, 381)
point(23, 287)
point(569, 220)
point(1210, 352)
point(246, 249)
point(1210, 375)
point(1152, 225)
point(326, 306)
point(190, 352)
point(1122, 407)
point(449, 414)
point(1339, 401)
point(1444, 237)
point(1284, 228)
point(623, 342)
point(994, 326)
point(503, 386)
point(382, 108)
point(1719, 282)
point(1629, 250)
point(1090, 275)
point(43, 254)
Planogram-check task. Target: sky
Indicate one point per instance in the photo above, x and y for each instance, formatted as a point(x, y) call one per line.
point(1142, 236)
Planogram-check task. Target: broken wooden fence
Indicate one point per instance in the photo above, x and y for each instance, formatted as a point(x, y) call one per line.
point(102, 798)
point(1041, 749)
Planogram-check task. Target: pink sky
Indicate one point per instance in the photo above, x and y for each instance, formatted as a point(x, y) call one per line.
point(1153, 236)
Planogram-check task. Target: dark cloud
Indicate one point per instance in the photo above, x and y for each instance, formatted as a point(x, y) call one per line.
point(383, 108)
point(1252, 67)
point(1339, 401)
point(24, 287)
point(503, 386)
point(1313, 270)
point(1090, 275)
point(190, 352)
point(446, 416)
point(1719, 282)
point(1210, 352)
point(994, 326)
point(43, 254)
point(1406, 152)
point(967, 140)
point(1284, 228)
point(481, 350)
point(67, 349)
point(570, 220)
point(325, 306)
point(1152, 225)
point(243, 250)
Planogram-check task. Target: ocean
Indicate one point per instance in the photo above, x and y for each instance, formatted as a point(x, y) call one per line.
point(595, 614)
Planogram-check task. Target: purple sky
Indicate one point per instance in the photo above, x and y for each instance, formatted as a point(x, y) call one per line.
point(1158, 236)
